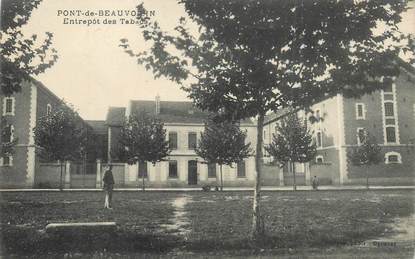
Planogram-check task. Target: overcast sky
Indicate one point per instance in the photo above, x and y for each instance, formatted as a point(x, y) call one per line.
point(92, 72)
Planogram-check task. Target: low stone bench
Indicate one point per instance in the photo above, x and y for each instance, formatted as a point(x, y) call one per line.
point(92, 228)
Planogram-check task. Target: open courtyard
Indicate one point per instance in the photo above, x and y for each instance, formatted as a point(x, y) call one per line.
point(303, 223)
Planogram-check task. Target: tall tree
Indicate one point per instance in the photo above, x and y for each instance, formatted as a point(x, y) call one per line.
point(7, 140)
point(292, 143)
point(223, 143)
point(21, 56)
point(143, 139)
point(251, 57)
point(60, 136)
point(368, 153)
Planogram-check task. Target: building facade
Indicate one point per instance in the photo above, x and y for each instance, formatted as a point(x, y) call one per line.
point(183, 123)
point(20, 113)
point(341, 123)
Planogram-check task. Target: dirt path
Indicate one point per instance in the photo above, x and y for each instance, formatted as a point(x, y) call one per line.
point(179, 222)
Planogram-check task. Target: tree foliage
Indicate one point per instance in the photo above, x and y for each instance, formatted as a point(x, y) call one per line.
point(143, 138)
point(21, 56)
point(368, 153)
point(292, 142)
point(7, 143)
point(223, 143)
point(60, 135)
point(255, 56)
point(251, 57)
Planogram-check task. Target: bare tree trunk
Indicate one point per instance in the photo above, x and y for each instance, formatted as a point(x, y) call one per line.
point(60, 184)
point(221, 179)
point(294, 182)
point(144, 187)
point(367, 177)
point(256, 220)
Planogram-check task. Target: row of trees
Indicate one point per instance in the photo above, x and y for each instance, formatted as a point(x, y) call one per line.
point(251, 57)
point(62, 136)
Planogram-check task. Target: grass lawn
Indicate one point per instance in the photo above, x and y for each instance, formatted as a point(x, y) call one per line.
point(331, 223)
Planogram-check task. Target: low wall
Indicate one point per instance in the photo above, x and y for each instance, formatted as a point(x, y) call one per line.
point(325, 173)
point(382, 181)
point(48, 175)
point(270, 175)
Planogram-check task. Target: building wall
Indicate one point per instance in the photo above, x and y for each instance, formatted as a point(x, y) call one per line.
point(374, 123)
point(158, 174)
point(16, 174)
point(328, 123)
point(113, 138)
point(30, 105)
point(328, 172)
point(339, 126)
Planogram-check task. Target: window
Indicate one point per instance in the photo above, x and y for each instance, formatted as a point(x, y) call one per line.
point(361, 135)
point(6, 161)
point(211, 170)
point(8, 134)
point(360, 111)
point(319, 159)
point(317, 115)
point(173, 140)
point(48, 109)
point(389, 112)
point(142, 169)
point(319, 139)
point(192, 137)
point(393, 158)
point(390, 134)
point(241, 169)
point(388, 88)
point(8, 106)
point(173, 169)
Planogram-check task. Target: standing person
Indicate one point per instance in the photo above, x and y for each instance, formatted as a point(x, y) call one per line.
point(315, 183)
point(108, 187)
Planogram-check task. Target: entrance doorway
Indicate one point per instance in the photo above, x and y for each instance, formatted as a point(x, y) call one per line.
point(192, 172)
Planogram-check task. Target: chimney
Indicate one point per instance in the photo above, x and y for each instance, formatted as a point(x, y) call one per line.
point(157, 104)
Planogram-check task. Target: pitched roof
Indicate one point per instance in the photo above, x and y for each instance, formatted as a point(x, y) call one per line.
point(98, 126)
point(115, 116)
point(170, 111)
point(173, 111)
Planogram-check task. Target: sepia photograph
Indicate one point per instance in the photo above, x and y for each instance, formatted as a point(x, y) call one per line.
point(207, 129)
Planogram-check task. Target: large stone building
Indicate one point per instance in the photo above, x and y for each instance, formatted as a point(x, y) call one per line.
point(388, 114)
point(20, 113)
point(183, 123)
